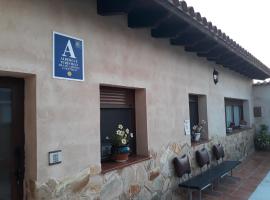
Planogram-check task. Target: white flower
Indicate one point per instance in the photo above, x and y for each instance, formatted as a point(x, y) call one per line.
point(122, 133)
point(127, 131)
point(203, 122)
point(118, 132)
point(131, 135)
point(107, 138)
point(124, 141)
point(120, 126)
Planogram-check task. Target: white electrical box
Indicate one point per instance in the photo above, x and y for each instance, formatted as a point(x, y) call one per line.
point(55, 157)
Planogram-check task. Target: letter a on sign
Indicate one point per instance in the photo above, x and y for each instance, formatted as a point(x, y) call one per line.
point(68, 57)
point(69, 50)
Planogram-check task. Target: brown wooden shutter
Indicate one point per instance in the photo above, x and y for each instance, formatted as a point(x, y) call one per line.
point(111, 97)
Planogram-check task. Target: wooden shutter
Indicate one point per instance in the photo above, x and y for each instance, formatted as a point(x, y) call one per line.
point(111, 97)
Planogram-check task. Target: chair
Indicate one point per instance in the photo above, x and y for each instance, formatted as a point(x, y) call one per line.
point(202, 158)
point(218, 152)
point(182, 166)
point(206, 178)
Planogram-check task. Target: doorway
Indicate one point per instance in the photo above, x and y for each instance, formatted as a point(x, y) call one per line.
point(11, 138)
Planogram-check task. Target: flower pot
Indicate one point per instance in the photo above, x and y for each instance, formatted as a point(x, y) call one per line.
point(120, 153)
point(197, 137)
point(123, 157)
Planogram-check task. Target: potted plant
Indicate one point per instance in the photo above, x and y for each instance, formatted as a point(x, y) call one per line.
point(243, 124)
point(197, 131)
point(120, 143)
point(262, 139)
point(232, 125)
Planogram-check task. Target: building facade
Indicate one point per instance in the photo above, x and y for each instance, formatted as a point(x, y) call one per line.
point(261, 104)
point(65, 115)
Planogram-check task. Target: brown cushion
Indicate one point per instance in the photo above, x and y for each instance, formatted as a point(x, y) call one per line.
point(181, 165)
point(202, 157)
point(218, 151)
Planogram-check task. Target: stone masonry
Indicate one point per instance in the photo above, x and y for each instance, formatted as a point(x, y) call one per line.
point(151, 179)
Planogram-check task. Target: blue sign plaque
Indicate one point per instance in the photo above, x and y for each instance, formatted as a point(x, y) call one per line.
point(68, 58)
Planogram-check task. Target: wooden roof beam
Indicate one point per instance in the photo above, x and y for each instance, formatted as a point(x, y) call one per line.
point(227, 59)
point(214, 56)
point(247, 70)
point(188, 39)
point(169, 27)
point(246, 73)
point(203, 46)
point(146, 15)
point(215, 51)
point(112, 7)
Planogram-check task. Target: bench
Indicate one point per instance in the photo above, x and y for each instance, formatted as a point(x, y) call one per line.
point(205, 178)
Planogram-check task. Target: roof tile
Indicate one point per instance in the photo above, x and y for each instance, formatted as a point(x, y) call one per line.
point(182, 5)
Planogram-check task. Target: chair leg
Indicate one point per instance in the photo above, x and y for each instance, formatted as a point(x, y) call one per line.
point(200, 197)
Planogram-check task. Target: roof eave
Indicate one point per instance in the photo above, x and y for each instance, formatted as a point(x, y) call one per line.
point(183, 26)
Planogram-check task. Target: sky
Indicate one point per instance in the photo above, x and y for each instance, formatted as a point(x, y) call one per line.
point(246, 22)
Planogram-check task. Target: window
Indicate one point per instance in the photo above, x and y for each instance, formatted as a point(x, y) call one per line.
point(193, 110)
point(198, 114)
point(257, 111)
point(128, 107)
point(117, 106)
point(234, 114)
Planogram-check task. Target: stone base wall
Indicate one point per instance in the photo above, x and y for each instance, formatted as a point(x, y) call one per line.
point(151, 179)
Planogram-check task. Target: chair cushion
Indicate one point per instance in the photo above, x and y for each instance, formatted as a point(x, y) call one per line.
point(181, 165)
point(202, 157)
point(218, 151)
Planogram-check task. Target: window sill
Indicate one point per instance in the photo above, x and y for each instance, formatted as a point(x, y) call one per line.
point(111, 165)
point(202, 141)
point(236, 131)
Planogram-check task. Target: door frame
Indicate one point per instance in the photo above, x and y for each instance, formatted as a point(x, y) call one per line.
point(17, 135)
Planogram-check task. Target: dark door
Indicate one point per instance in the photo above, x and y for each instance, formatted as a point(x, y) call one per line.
point(11, 138)
point(193, 110)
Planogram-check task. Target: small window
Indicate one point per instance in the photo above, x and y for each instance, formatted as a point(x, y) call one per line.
point(257, 111)
point(193, 110)
point(234, 114)
point(198, 118)
point(117, 106)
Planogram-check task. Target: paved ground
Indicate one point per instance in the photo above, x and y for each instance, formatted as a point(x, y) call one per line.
point(244, 181)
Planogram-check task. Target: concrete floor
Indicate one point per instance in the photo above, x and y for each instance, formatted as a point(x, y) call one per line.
point(244, 181)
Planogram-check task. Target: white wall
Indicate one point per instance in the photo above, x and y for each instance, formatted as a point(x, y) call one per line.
point(261, 94)
point(68, 112)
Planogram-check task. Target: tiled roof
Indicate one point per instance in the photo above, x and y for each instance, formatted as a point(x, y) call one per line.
point(175, 20)
point(261, 83)
point(208, 26)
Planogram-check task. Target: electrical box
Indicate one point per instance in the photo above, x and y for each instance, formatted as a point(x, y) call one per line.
point(55, 157)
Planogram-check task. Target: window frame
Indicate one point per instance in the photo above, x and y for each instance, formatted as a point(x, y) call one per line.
point(234, 103)
point(200, 101)
point(193, 99)
point(112, 103)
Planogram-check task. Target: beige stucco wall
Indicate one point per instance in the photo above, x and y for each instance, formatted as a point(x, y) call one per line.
point(67, 112)
point(261, 95)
